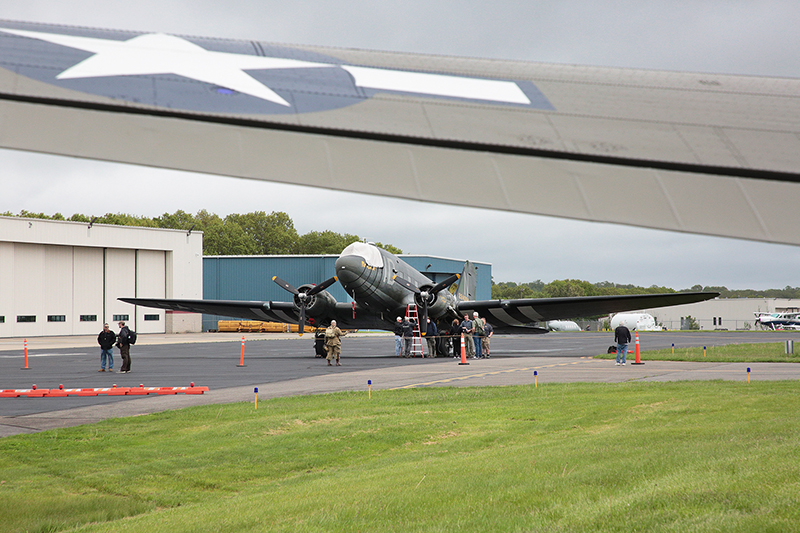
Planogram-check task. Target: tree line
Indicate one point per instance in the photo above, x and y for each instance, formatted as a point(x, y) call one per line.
point(256, 233)
point(573, 287)
point(259, 233)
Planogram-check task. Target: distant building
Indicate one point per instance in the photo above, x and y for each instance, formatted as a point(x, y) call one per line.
point(64, 278)
point(723, 313)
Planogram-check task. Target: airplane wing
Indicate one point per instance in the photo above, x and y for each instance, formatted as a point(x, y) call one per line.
point(285, 312)
point(511, 315)
point(556, 140)
point(266, 311)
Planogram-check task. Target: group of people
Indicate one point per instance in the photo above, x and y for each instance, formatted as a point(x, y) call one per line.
point(107, 339)
point(476, 332)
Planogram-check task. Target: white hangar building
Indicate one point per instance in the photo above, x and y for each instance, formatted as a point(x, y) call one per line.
point(64, 278)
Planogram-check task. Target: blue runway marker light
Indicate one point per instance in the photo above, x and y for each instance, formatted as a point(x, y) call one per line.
point(255, 390)
point(369, 383)
point(535, 379)
point(748, 374)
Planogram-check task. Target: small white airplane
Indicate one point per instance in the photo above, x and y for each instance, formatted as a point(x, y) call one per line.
point(778, 320)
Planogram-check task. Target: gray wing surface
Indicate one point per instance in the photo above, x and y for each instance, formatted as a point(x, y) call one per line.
point(284, 312)
point(266, 311)
point(513, 314)
point(557, 140)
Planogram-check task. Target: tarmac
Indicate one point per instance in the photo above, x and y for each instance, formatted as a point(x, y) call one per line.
point(282, 365)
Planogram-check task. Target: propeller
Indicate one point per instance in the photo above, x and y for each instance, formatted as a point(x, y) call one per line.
point(302, 298)
point(426, 296)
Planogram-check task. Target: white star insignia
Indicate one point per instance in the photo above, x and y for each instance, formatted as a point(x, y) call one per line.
point(157, 53)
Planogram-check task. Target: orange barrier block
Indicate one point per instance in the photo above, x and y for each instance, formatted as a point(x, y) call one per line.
point(35, 393)
point(118, 391)
point(57, 393)
point(195, 390)
point(72, 392)
point(9, 393)
point(87, 392)
point(167, 390)
point(138, 391)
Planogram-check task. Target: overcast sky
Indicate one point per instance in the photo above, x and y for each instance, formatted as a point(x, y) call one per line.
point(726, 36)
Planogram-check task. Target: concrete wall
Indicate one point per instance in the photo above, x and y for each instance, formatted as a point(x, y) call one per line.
point(64, 278)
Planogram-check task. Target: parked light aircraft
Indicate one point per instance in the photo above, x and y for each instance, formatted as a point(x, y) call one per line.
point(778, 320)
point(382, 285)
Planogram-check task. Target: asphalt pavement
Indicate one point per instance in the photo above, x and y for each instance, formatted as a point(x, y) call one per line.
point(285, 365)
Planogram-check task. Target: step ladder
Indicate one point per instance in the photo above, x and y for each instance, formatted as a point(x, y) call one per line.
point(416, 343)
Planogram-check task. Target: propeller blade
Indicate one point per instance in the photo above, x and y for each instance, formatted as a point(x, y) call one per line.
point(322, 286)
point(302, 324)
point(444, 284)
point(407, 284)
point(423, 327)
point(286, 286)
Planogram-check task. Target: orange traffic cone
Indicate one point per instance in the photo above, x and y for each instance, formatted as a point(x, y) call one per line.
point(638, 354)
point(463, 352)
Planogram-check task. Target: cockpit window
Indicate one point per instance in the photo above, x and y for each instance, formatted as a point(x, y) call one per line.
point(369, 252)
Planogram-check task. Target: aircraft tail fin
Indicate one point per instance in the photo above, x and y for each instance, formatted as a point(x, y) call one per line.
point(468, 283)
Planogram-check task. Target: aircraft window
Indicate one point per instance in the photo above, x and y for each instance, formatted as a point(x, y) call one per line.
point(369, 252)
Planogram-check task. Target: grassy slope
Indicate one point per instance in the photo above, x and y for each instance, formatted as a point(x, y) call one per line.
point(607, 457)
point(771, 352)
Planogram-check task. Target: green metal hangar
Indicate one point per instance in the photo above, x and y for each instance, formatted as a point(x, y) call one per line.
point(64, 278)
point(250, 277)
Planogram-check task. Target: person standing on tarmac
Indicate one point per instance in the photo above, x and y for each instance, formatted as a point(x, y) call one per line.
point(398, 337)
point(466, 330)
point(477, 333)
point(488, 331)
point(106, 340)
point(124, 345)
point(431, 335)
point(622, 336)
point(333, 343)
point(408, 336)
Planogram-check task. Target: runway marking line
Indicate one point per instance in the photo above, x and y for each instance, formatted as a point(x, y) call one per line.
point(484, 374)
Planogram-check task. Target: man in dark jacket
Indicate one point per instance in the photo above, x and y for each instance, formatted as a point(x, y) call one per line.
point(622, 336)
point(124, 345)
point(431, 335)
point(106, 340)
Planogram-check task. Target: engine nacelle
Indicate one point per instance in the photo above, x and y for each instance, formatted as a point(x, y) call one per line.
point(437, 303)
point(320, 305)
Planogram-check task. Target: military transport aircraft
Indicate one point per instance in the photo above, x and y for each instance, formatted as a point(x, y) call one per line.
point(382, 285)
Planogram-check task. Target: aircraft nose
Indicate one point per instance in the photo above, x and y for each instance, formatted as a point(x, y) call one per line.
point(349, 269)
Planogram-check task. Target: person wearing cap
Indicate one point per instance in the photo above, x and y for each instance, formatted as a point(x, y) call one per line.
point(477, 332)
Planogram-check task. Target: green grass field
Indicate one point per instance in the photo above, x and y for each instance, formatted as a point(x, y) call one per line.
point(771, 352)
point(685, 456)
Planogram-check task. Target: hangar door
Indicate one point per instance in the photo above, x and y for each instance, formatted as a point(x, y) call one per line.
point(132, 273)
point(71, 290)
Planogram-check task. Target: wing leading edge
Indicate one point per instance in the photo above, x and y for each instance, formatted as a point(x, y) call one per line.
point(512, 314)
point(285, 312)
